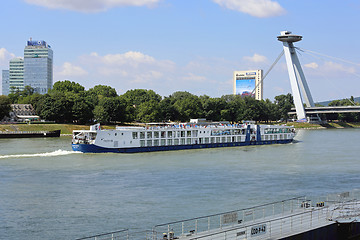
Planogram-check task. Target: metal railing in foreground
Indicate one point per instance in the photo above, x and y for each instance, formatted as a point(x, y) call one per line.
point(117, 235)
point(273, 220)
point(228, 219)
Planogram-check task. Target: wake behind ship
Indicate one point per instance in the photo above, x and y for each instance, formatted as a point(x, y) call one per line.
point(165, 137)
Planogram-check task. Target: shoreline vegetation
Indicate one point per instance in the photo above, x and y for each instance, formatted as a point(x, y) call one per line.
point(66, 129)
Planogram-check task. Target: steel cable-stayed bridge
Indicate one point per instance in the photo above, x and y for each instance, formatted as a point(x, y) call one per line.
point(300, 89)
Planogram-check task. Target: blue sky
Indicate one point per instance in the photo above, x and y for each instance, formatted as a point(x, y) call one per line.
point(188, 45)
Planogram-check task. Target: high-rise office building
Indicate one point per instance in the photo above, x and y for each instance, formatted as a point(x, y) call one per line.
point(16, 74)
point(248, 83)
point(5, 82)
point(38, 66)
point(34, 70)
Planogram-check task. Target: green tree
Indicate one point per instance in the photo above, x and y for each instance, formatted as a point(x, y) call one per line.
point(110, 110)
point(212, 107)
point(134, 98)
point(284, 104)
point(5, 107)
point(149, 111)
point(100, 91)
point(168, 111)
point(234, 109)
point(56, 107)
point(187, 105)
point(67, 86)
point(82, 110)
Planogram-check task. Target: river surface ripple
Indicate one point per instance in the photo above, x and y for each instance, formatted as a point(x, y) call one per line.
point(49, 192)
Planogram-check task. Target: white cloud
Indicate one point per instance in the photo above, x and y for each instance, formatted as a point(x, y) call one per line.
point(69, 70)
point(256, 8)
point(194, 78)
point(127, 70)
point(256, 58)
point(130, 58)
point(5, 57)
point(329, 69)
point(312, 65)
point(91, 5)
point(337, 67)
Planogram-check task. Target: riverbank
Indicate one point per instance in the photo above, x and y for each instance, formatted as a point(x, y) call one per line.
point(66, 129)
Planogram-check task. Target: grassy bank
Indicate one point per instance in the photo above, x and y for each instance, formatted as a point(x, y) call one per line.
point(68, 128)
point(65, 128)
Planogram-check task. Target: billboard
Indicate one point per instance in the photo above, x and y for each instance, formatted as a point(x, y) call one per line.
point(244, 87)
point(36, 43)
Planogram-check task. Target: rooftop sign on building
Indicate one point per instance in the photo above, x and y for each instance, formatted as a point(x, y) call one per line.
point(36, 43)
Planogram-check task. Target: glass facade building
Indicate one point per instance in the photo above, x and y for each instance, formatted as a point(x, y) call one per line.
point(34, 70)
point(16, 74)
point(5, 82)
point(38, 66)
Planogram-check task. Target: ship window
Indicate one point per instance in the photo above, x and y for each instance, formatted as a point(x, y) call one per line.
point(162, 142)
point(169, 133)
point(182, 141)
point(275, 137)
point(182, 133)
point(212, 140)
point(223, 139)
point(217, 139)
point(194, 133)
point(115, 134)
point(239, 139)
point(228, 139)
point(176, 141)
point(142, 143)
point(156, 142)
point(156, 134)
point(149, 134)
point(169, 141)
point(188, 141)
point(188, 133)
point(135, 135)
point(206, 140)
point(149, 143)
point(142, 135)
point(162, 134)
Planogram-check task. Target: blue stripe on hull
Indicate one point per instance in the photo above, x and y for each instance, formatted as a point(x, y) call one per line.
point(89, 148)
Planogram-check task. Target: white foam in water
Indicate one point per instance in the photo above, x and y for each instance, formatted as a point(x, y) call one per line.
point(47, 154)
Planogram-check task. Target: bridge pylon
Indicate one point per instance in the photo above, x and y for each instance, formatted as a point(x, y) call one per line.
point(298, 82)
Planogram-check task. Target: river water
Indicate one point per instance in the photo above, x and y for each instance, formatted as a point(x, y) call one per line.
point(49, 192)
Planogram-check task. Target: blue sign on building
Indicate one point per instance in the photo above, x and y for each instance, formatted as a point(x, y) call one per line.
point(36, 43)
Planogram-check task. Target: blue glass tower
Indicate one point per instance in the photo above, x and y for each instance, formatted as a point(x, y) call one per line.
point(38, 66)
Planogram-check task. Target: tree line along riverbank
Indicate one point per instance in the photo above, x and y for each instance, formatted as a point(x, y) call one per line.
point(68, 128)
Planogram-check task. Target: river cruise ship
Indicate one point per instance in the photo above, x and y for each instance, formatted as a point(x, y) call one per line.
point(165, 137)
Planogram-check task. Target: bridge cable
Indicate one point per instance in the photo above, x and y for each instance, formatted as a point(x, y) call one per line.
point(312, 53)
point(271, 67)
point(340, 59)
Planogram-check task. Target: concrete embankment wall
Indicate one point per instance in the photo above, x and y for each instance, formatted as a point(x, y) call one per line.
point(336, 231)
